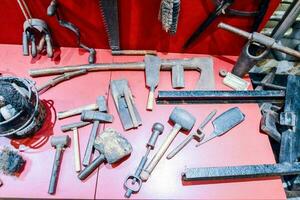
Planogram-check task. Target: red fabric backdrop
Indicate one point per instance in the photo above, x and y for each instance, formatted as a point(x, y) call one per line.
point(139, 25)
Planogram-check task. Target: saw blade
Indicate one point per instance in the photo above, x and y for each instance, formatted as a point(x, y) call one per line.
point(109, 11)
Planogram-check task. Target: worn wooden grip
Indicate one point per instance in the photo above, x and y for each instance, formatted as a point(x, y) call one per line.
point(76, 111)
point(150, 100)
point(76, 150)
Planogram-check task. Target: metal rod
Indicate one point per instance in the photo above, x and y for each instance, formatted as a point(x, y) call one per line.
point(237, 172)
point(200, 97)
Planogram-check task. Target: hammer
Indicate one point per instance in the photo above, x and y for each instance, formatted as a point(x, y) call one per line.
point(59, 142)
point(112, 147)
point(183, 120)
point(95, 117)
point(74, 127)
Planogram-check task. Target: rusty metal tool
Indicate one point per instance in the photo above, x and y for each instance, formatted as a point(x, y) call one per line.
point(223, 7)
point(252, 52)
point(238, 172)
point(112, 147)
point(125, 105)
point(31, 27)
point(224, 123)
point(152, 69)
point(220, 96)
point(74, 127)
point(259, 38)
point(53, 10)
point(182, 120)
point(133, 183)
point(59, 142)
point(110, 17)
point(96, 117)
point(203, 65)
point(59, 79)
point(198, 135)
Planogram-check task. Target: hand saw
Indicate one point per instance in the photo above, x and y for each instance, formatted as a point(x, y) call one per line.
point(109, 11)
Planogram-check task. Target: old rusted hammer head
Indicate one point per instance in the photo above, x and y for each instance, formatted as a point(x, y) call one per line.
point(89, 115)
point(60, 141)
point(112, 147)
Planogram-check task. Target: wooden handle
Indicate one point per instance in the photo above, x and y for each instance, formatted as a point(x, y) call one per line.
point(150, 100)
point(133, 52)
point(76, 111)
point(179, 147)
point(162, 150)
point(76, 150)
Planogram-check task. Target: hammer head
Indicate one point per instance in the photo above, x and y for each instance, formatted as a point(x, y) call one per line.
point(183, 118)
point(73, 126)
point(101, 103)
point(158, 127)
point(60, 141)
point(89, 115)
point(112, 145)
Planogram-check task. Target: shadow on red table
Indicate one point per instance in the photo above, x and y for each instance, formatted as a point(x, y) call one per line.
point(225, 59)
point(42, 136)
point(55, 58)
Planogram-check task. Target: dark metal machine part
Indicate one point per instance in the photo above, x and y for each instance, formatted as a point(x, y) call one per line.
point(252, 53)
point(261, 39)
point(133, 183)
point(200, 97)
point(289, 148)
point(224, 123)
point(53, 10)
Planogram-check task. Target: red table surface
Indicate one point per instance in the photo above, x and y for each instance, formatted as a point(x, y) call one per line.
point(241, 146)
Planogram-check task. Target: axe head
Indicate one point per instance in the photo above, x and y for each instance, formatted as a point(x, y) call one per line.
point(152, 69)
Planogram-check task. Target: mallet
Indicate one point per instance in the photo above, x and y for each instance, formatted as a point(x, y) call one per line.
point(59, 142)
point(183, 120)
